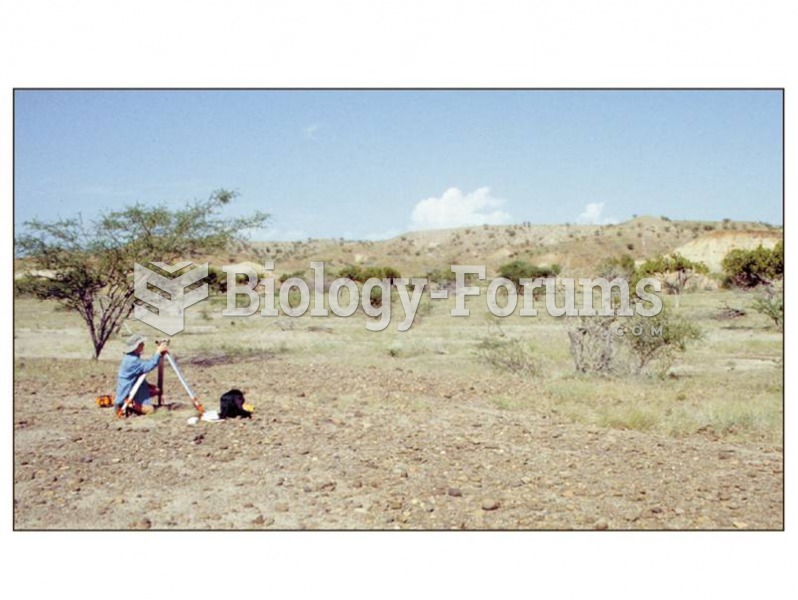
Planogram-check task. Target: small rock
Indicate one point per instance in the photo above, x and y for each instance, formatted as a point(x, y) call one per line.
point(455, 492)
point(602, 525)
point(400, 470)
point(490, 504)
point(282, 507)
point(262, 521)
point(740, 524)
point(632, 515)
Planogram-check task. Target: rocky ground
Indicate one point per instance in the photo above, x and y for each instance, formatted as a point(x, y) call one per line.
point(332, 447)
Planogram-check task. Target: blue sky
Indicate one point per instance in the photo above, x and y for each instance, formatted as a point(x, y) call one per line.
point(372, 164)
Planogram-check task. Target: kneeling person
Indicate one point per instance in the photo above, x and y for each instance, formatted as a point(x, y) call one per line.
point(132, 367)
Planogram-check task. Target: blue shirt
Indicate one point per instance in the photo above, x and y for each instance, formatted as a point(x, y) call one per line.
point(129, 371)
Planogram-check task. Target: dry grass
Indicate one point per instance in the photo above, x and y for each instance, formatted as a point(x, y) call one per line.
point(727, 385)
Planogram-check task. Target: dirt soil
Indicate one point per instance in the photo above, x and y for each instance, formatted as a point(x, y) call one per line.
point(331, 447)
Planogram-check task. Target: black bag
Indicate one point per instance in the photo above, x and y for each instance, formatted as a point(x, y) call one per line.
point(231, 405)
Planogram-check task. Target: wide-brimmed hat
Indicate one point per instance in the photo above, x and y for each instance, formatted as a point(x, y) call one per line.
point(133, 342)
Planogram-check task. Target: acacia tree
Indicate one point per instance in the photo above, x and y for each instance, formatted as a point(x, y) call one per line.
point(680, 269)
point(88, 267)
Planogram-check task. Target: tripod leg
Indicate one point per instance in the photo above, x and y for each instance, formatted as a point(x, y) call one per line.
point(129, 400)
point(182, 379)
point(160, 381)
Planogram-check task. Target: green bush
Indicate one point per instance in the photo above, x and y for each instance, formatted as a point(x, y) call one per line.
point(217, 280)
point(390, 273)
point(440, 276)
point(27, 285)
point(661, 338)
point(771, 304)
point(622, 266)
point(750, 268)
point(630, 345)
point(362, 274)
point(353, 272)
point(681, 269)
point(370, 272)
point(519, 269)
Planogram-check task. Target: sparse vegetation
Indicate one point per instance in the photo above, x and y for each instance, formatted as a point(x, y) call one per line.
point(519, 269)
point(623, 345)
point(363, 274)
point(294, 274)
point(440, 276)
point(506, 354)
point(750, 268)
point(621, 266)
point(217, 280)
point(89, 265)
point(675, 271)
point(770, 303)
point(706, 390)
point(438, 388)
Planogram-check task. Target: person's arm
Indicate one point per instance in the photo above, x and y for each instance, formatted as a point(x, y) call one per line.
point(145, 366)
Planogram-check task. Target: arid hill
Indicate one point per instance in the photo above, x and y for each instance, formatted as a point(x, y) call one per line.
point(712, 247)
point(579, 249)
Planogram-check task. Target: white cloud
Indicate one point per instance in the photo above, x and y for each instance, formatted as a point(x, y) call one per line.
point(592, 215)
point(453, 209)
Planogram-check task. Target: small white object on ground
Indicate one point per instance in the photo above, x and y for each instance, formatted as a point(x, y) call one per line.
point(210, 415)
